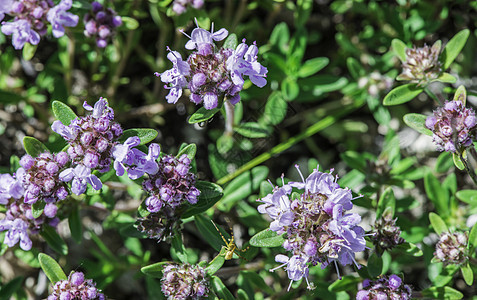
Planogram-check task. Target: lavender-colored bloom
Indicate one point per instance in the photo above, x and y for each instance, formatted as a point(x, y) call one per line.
point(386, 287)
point(21, 33)
point(17, 232)
point(175, 77)
point(10, 188)
point(76, 287)
point(101, 23)
point(5, 7)
point(135, 161)
point(59, 17)
point(184, 281)
point(180, 6)
point(452, 248)
point(81, 175)
point(316, 225)
point(453, 126)
point(212, 75)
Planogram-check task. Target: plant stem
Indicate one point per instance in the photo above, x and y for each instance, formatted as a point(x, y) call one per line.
point(229, 118)
point(313, 129)
point(433, 96)
point(468, 168)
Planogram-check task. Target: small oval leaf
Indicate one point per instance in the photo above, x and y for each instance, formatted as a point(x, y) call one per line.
point(467, 273)
point(130, 23)
point(202, 115)
point(453, 48)
point(417, 122)
point(33, 146)
point(37, 208)
point(63, 112)
point(215, 264)
point(402, 94)
point(190, 150)
point(267, 238)
point(145, 135)
point(460, 94)
point(437, 223)
point(252, 130)
point(399, 48)
point(52, 269)
point(231, 42)
point(155, 270)
point(312, 66)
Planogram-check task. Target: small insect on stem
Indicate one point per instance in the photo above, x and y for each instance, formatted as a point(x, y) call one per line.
point(230, 246)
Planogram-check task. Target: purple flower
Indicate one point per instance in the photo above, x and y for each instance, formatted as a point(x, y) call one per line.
point(180, 6)
point(21, 33)
point(203, 41)
point(67, 132)
point(386, 287)
point(5, 7)
point(135, 161)
point(316, 227)
point(17, 231)
point(10, 188)
point(59, 17)
point(101, 23)
point(81, 175)
point(75, 287)
point(184, 281)
point(453, 126)
point(175, 77)
point(244, 62)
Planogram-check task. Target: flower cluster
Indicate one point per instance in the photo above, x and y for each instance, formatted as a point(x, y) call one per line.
point(180, 6)
point(41, 181)
point(211, 74)
point(317, 227)
point(386, 233)
point(76, 287)
point(135, 162)
point(184, 282)
point(387, 287)
point(453, 126)
point(172, 185)
point(452, 248)
point(19, 220)
point(31, 18)
point(101, 23)
point(160, 225)
point(375, 83)
point(422, 64)
point(91, 140)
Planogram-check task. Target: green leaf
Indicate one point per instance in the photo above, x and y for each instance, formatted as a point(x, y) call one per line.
point(354, 67)
point(280, 37)
point(155, 270)
point(410, 248)
point(76, 228)
point(467, 274)
point(446, 78)
point(290, 89)
point(190, 150)
point(54, 240)
point(453, 48)
point(402, 94)
point(33, 146)
point(444, 292)
point(417, 122)
point(399, 49)
point(387, 200)
point(347, 283)
point(7, 290)
point(275, 109)
point(29, 51)
point(130, 23)
point(63, 112)
point(37, 208)
point(267, 238)
point(458, 161)
point(460, 94)
point(231, 42)
point(51, 268)
point(437, 223)
point(10, 98)
point(242, 186)
point(202, 115)
point(375, 265)
point(312, 66)
point(467, 196)
point(209, 232)
point(252, 130)
point(144, 134)
point(179, 249)
point(473, 238)
point(436, 193)
point(220, 289)
point(210, 193)
point(224, 143)
point(215, 264)
point(142, 209)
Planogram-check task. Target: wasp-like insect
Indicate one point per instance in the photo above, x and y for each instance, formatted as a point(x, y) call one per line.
point(230, 246)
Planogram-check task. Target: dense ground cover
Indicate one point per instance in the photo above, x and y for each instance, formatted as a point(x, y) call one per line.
point(237, 149)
